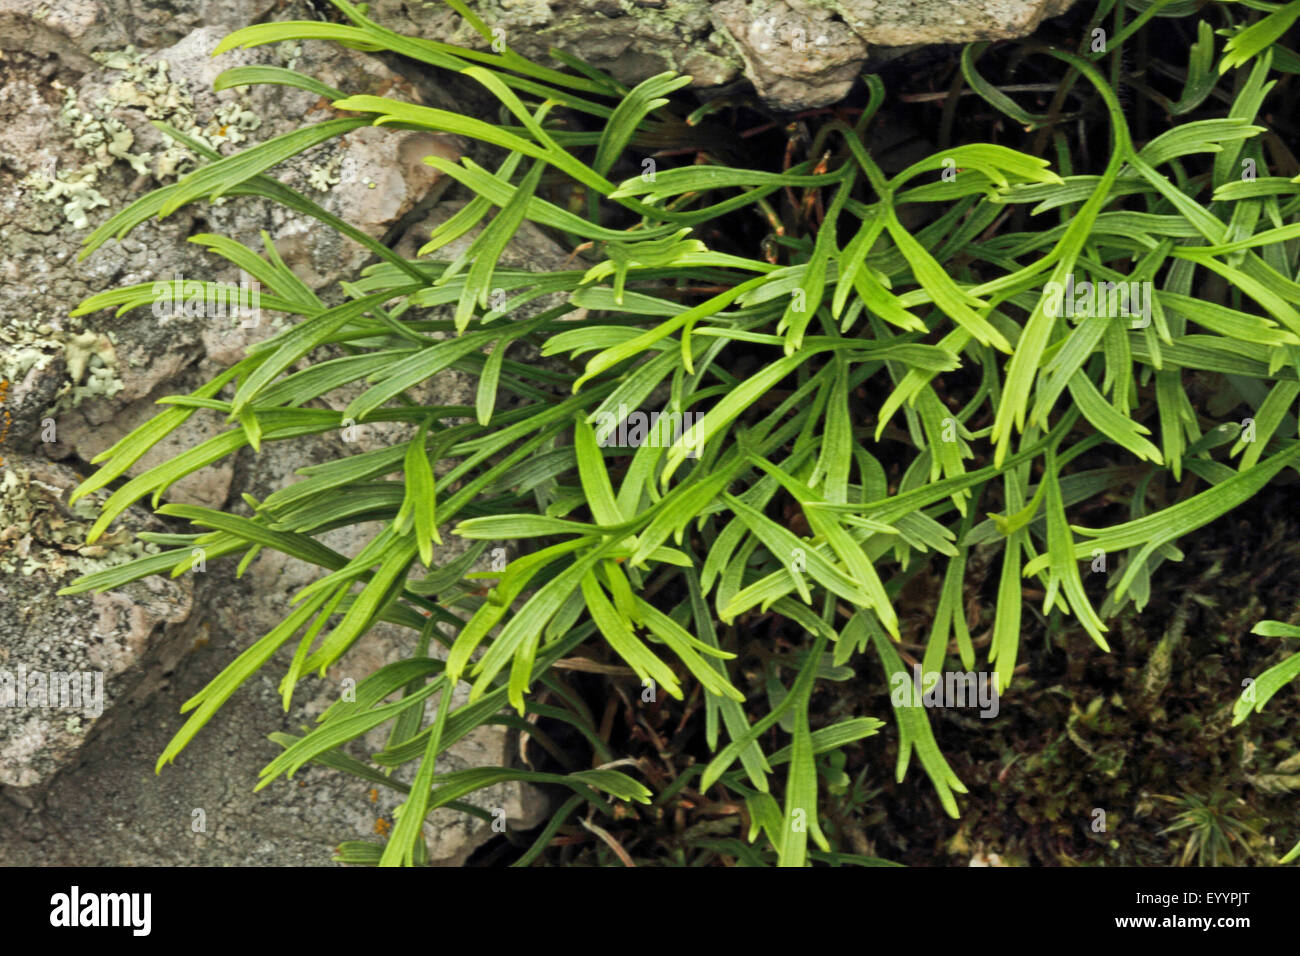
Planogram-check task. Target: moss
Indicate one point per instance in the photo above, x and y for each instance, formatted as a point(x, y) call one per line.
point(1139, 734)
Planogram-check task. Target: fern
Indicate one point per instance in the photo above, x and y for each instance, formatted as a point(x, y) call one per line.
point(865, 329)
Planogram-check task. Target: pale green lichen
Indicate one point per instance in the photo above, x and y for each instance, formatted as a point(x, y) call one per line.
point(326, 175)
point(90, 359)
point(105, 139)
point(289, 54)
point(683, 15)
point(40, 532)
point(679, 32)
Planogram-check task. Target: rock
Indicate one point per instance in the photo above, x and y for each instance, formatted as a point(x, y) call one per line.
point(451, 835)
point(530, 248)
point(797, 53)
point(108, 808)
point(73, 29)
point(97, 367)
point(796, 57)
point(113, 810)
point(67, 662)
point(377, 178)
point(905, 22)
point(80, 435)
point(630, 39)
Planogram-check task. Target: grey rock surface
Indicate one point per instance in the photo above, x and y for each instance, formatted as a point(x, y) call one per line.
point(904, 22)
point(797, 53)
point(109, 808)
point(73, 29)
point(66, 663)
point(796, 56)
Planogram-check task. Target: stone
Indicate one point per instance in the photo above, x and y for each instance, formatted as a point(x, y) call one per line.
point(80, 436)
point(798, 54)
point(73, 29)
point(379, 180)
point(99, 641)
point(630, 39)
point(907, 22)
point(790, 51)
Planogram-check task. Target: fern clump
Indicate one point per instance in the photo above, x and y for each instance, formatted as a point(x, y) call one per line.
point(911, 368)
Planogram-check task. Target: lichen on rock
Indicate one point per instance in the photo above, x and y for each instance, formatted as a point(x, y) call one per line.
point(101, 135)
point(797, 53)
point(89, 361)
point(40, 531)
